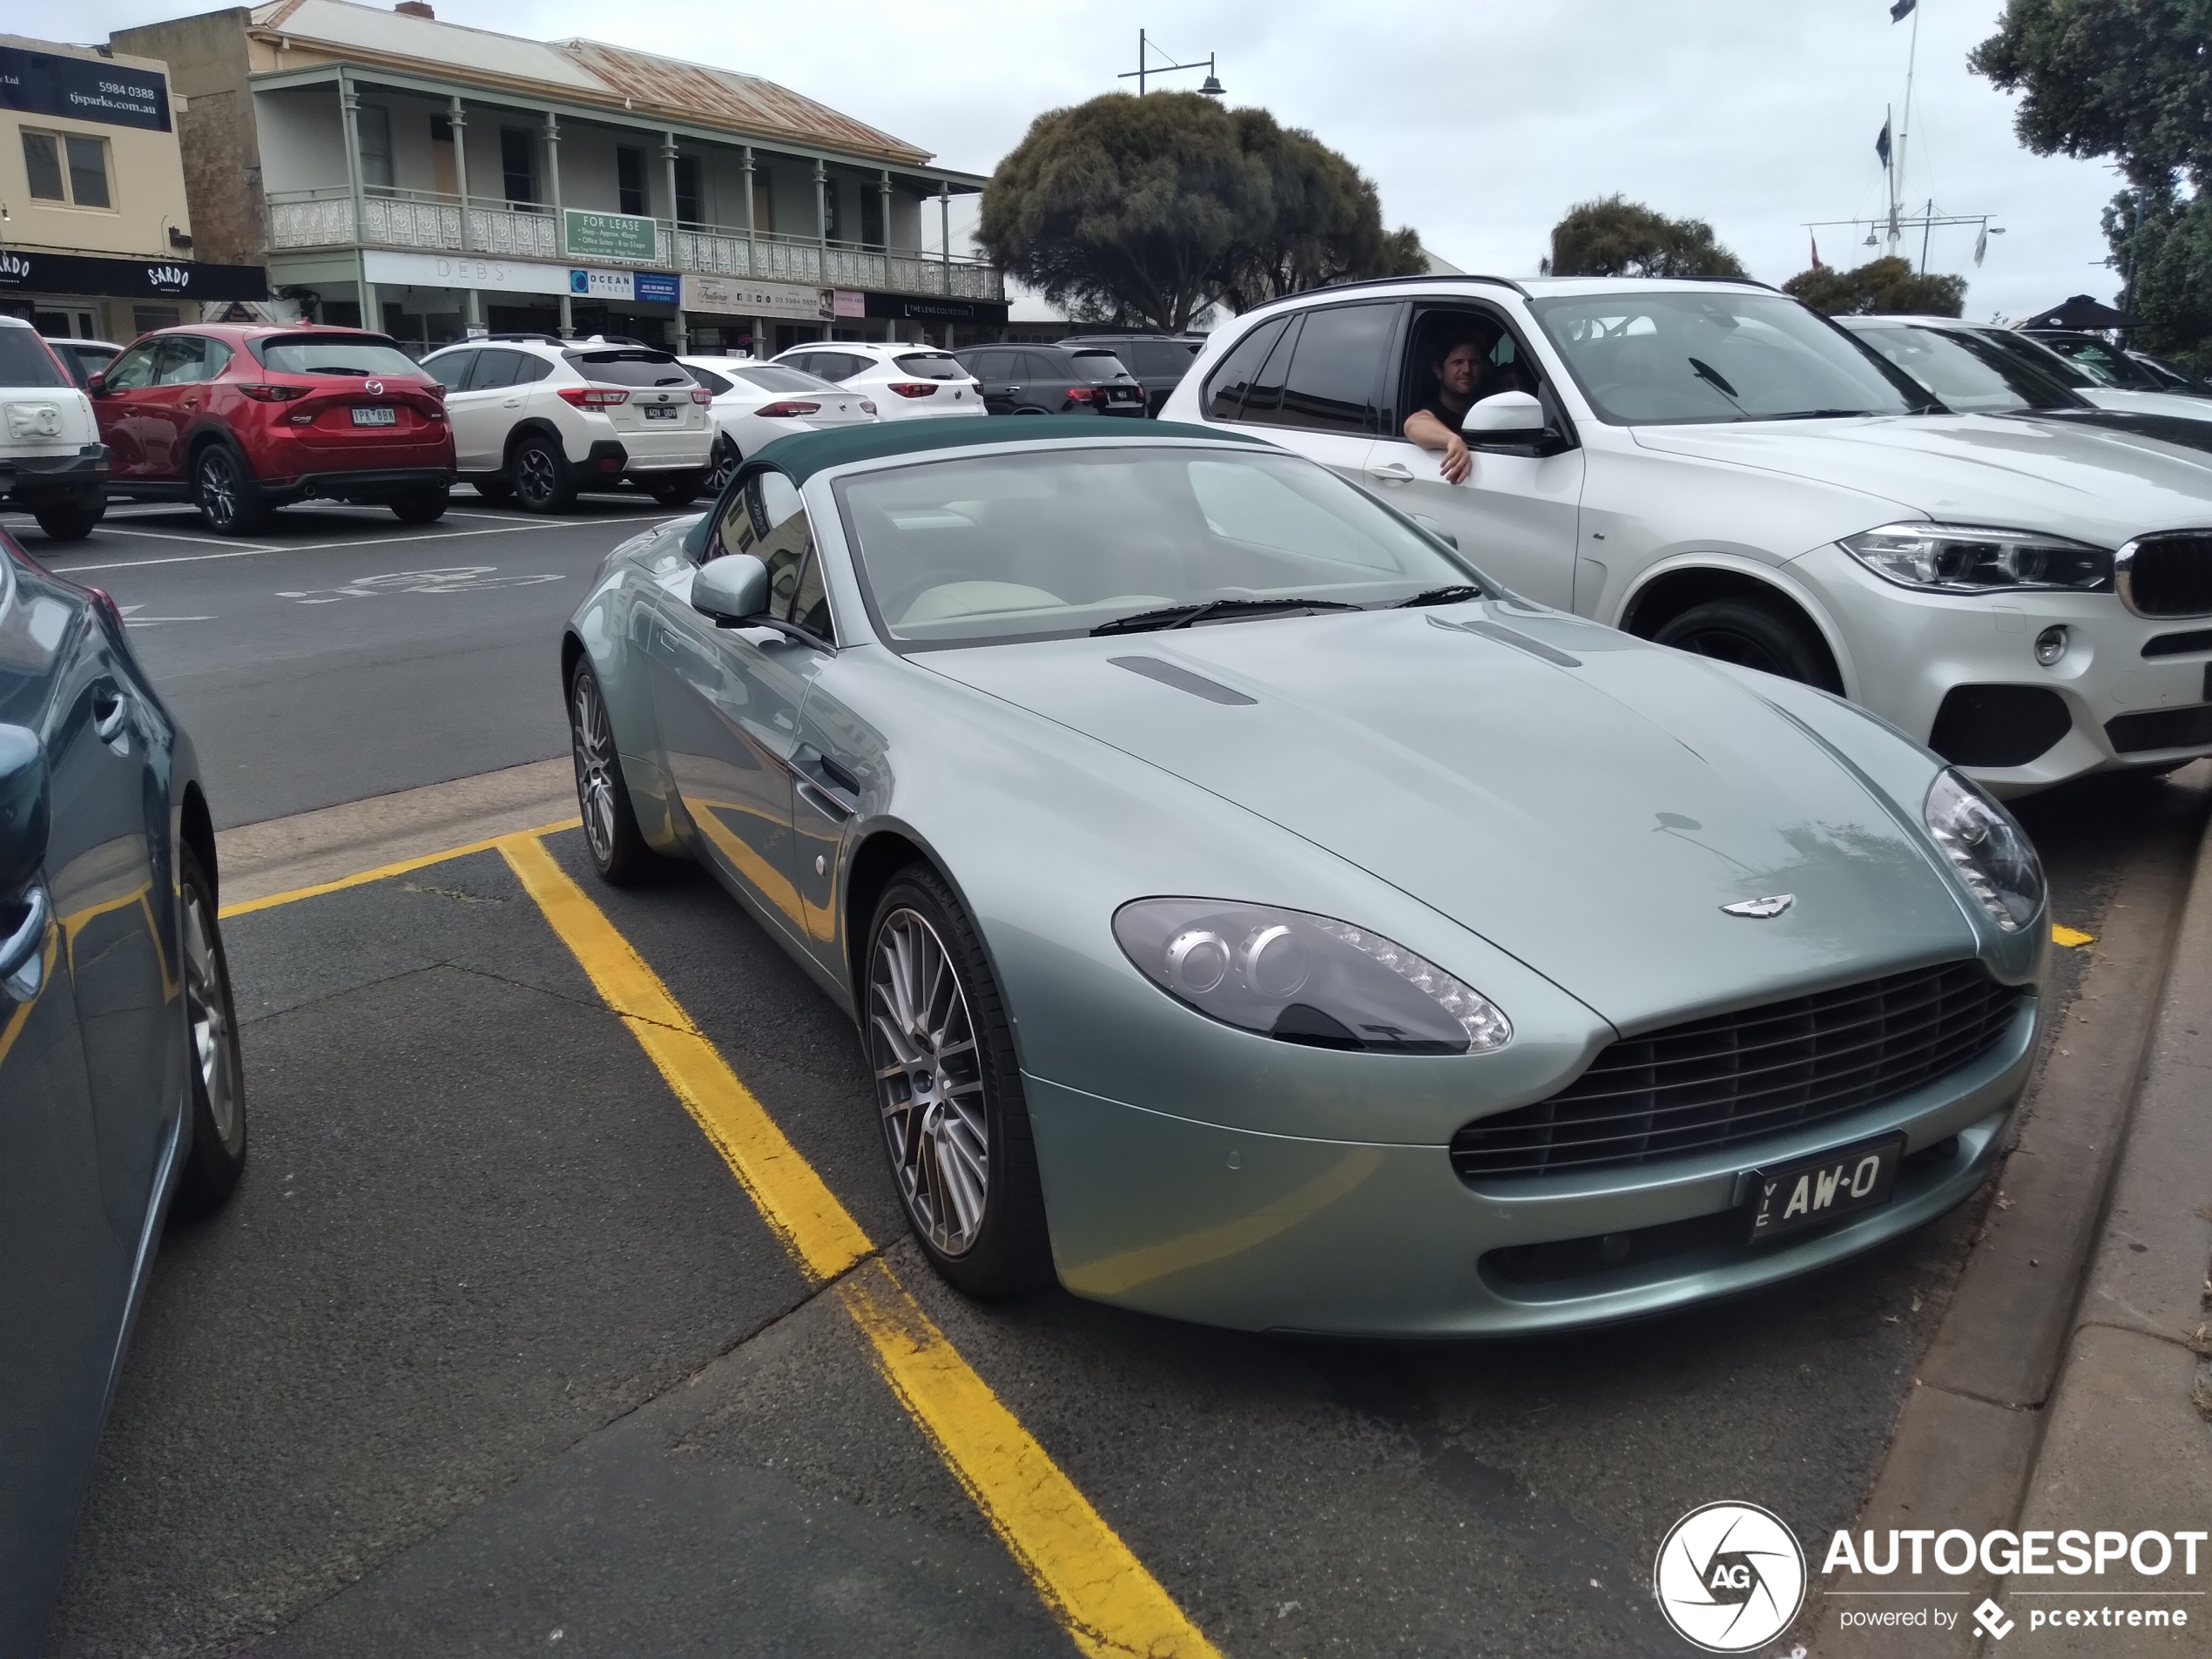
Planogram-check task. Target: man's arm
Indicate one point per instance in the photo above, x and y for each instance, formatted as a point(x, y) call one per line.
point(1424, 429)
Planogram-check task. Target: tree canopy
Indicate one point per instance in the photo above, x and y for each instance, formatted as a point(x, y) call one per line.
point(1128, 210)
point(1886, 286)
point(2133, 81)
point(1616, 236)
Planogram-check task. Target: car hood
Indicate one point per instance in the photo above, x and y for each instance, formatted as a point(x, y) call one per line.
point(2095, 485)
point(1588, 805)
point(2181, 405)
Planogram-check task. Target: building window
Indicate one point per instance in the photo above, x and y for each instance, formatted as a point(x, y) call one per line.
point(871, 216)
point(373, 122)
point(630, 180)
point(518, 162)
point(65, 167)
point(829, 211)
point(764, 204)
point(687, 191)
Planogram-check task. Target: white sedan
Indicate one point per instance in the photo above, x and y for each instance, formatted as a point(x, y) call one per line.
point(908, 381)
point(757, 404)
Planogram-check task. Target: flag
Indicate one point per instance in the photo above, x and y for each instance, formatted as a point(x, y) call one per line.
point(1982, 244)
point(1902, 9)
point(1816, 253)
point(1881, 144)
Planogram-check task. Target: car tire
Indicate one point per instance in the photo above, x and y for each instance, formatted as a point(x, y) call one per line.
point(71, 521)
point(492, 489)
point(422, 506)
point(223, 490)
point(722, 467)
point(610, 832)
point(543, 481)
point(955, 1122)
point(679, 491)
point(1754, 632)
point(216, 1156)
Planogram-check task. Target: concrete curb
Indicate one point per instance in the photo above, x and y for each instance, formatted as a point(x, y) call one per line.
point(282, 853)
point(1974, 1445)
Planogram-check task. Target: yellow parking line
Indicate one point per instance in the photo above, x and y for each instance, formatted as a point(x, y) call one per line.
point(246, 907)
point(1087, 1578)
point(2070, 936)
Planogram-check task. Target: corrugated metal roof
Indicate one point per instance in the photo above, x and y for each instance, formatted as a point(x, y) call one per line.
point(585, 69)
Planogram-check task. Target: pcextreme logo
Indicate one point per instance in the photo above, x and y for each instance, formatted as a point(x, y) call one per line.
point(1731, 1577)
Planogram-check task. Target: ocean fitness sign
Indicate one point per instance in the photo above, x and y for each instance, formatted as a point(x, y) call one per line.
point(83, 89)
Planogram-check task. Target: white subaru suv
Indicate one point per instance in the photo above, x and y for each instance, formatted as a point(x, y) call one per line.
point(538, 418)
point(52, 463)
point(907, 383)
point(1711, 465)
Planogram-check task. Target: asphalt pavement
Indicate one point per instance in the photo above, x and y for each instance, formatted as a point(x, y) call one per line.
point(342, 654)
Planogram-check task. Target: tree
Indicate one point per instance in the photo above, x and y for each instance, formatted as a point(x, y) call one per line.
point(1321, 221)
point(1127, 210)
point(2132, 81)
point(1886, 286)
point(1616, 237)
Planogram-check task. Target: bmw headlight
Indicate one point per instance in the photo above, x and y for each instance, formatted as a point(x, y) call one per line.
point(1974, 558)
point(1988, 850)
point(1303, 978)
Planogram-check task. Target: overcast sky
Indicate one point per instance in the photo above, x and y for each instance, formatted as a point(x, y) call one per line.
point(1481, 121)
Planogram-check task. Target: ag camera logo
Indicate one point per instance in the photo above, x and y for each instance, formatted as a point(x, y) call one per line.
point(1731, 1577)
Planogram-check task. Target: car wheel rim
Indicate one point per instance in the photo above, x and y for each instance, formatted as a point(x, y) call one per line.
point(595, 781)
point(217, 491)
point(534, 475)
point(929, 1082)
point(725, 463)
point(208, 1014)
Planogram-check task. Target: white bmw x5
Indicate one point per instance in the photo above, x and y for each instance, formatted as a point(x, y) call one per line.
point(1716, 466)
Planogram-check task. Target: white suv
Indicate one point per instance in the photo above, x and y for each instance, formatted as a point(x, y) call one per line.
point(907, 382)
point(538, 418)
point(1713, 466)
point(52, 463)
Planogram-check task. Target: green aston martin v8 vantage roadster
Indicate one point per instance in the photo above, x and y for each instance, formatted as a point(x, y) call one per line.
point(1254, 914)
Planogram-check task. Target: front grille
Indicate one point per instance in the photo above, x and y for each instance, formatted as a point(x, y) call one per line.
point(1743, 1076)
point(2167, 575)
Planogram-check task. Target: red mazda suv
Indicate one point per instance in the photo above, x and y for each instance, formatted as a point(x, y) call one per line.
point(241, 418)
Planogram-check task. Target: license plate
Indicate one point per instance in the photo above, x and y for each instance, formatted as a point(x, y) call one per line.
point(382, 415)
point(1814, 1190)
point(662, 411)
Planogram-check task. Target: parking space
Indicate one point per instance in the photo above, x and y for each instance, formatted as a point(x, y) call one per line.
point(523, 1334)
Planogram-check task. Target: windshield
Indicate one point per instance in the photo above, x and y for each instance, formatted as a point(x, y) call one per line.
point(769, 377)
point(1099, 366)
point(351, 354)
point(930, 365)
point(25, 361)
point(1968, 372)
point(1038, 545)
point(1666, 358)
point(2102, 363)
point(634, 367)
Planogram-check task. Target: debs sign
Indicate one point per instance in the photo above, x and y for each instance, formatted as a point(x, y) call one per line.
point(83, 89)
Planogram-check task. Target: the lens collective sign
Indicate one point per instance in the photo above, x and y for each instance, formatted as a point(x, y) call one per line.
point(1731, 1577)
point(719, 296)
point(609, 236)
point(83, 89)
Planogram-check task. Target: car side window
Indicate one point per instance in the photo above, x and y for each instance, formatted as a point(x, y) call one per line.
point(180, 361)
point(1335, 377)
point(810, 606)
point(529, 370)
point(133, 368)
point(1226, 388)
point(493, 369)
point(1038, 366)
point(767, 519)
point(450, 369)
point(1505, 367)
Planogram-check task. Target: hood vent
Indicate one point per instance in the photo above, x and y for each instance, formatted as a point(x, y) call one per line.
point(1181, 678)
point(1506, 635)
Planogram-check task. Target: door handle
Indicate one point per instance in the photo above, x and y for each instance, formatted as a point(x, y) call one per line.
point(1009, 389)
point(191, 402)
point(512, 403)
point(110, 714)
point(1393, 472)
point(21, 967)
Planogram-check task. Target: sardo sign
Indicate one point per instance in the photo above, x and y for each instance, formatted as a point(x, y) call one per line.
point(609, 236)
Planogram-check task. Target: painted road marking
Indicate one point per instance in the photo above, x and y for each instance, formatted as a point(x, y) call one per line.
point(402, 867)
point(1090, 1581)
point(361, 541)
point(2070, 936)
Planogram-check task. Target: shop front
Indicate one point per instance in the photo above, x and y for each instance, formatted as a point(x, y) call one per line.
point(92, 298)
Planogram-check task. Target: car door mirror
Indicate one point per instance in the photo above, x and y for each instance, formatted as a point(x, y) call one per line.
point(23, 809)
point(1505, 418)
point(733, 587)
point(96, 382)
point(1435, 529)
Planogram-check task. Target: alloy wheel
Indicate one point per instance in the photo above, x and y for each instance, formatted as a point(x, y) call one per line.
point(929, 1082)
point(726, 465)
point(533, 478)
point(207, 1013)
point(218, 488)
point(594, 742)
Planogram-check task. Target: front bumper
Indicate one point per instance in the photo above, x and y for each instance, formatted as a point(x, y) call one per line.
point(56, 474)
point(1256, 1232)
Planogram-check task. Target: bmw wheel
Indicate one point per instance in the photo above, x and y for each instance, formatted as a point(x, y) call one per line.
point(542, 480)
point(955, 1126)
point(217, 1080)
point(611, 831)
point(724, 467)
point(223, 493)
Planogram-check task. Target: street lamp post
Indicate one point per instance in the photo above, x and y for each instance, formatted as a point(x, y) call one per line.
point(1210, 87)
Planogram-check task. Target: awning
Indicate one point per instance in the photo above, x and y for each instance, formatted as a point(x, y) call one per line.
point(30, 271)
point(2080, 311)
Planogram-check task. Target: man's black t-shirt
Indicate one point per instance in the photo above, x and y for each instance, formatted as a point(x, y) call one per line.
point(1434, 404)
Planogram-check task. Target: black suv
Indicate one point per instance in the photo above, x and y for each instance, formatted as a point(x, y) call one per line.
point(1158, 361)
point(1048, 380)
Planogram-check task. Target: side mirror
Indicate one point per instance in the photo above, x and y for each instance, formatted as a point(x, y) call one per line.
point(1435, 529)
point(730, 589)
point(1505, 418)
point(96, 382)
point(23, 809)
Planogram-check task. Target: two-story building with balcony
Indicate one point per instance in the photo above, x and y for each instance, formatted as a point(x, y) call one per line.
point(95, 230)
point(429, 179)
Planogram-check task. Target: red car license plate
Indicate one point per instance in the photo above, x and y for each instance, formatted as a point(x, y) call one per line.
point(382, 414)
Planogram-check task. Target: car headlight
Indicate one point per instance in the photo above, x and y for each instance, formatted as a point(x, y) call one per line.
point(1989, 850)
point(1976, 558)
point(1307, 979)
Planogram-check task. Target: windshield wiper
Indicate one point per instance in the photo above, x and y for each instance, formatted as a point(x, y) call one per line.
point(1452, 595)
point(1824, 414)
point(1184, 616)
point(1711, 376)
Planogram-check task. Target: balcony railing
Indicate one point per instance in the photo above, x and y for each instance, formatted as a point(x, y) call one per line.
point(414, 218)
